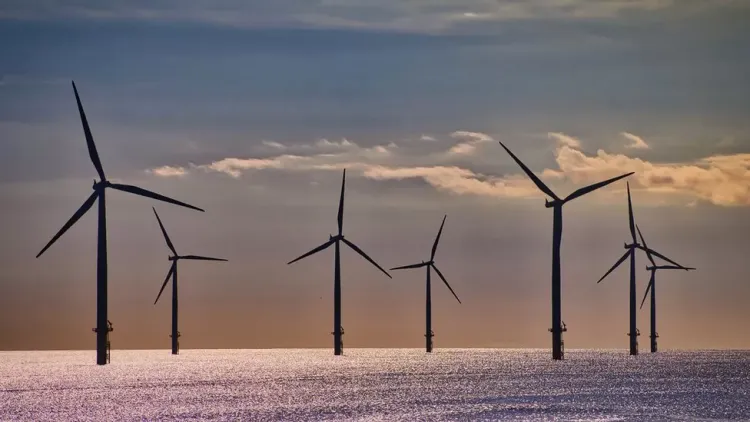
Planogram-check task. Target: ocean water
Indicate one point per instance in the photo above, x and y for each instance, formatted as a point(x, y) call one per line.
point(375, 385)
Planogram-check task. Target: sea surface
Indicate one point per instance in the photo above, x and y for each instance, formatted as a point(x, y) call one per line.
point(375, 385)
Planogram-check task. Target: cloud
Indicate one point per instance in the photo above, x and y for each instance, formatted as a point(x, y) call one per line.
point(379, 149)
point(636, 142)
point(427, 138)
point(457, 180)
point(168, 171)
point(719, 179)
point(393, 15)
point(274, 145)
point(472, 136)
point(563, 139)
point(344, 143)
point(462, 149)
point(235, 166)
point(471, 140)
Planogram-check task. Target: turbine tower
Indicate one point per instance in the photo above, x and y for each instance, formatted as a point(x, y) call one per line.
point(173, 273)
point(336, 240)
point(630, 252)
point(556, 204)
point(430, 265)
point(652, 287)
point(102, 328)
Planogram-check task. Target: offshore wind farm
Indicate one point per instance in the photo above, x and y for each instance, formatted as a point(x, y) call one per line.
point(372, 123)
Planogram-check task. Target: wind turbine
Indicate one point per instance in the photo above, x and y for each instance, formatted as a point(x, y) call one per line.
point(630, 251)
point(336, 240)
point(173, 273)
point(556, 204)
point(430, 265)
point(652, 287)
point(102, 328)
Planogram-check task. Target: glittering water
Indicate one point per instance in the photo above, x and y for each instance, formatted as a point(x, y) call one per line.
point(375, 384)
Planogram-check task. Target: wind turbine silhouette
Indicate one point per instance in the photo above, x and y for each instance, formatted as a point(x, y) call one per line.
point(430, 265)
point(102, 329)
point(336, 240)
point(652, 287)
point(173, 273)
point(556, 204)
point(630, 251)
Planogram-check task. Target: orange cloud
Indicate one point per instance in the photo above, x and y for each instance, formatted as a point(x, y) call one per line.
point(722, 179)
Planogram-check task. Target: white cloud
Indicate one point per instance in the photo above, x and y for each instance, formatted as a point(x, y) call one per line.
point(168, 171)
point(563, 139)
point(457, 180)
point(636, 142)
point(274, 145)
point(471, 140)
point(378, 149)
point(235, 166)
point(427, 138)
point(472, 136)
point(462, 149)
point(719, 179)
point(343, 144)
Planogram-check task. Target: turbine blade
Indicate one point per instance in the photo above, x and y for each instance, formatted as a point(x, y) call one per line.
point(674, 267)
point(341, 204)
point(531, 175)
point(316, 250)
point(364, 255)
point(648, 288)
point(148, 194)
point(660, 256)
point(420, 265)
point(89, 138)
point(630, 215)
point(645, 247)
point(166, 280)
point(164, 231)
point(446, 282)
point(590, 188)
point(619, 261)
point(78, 214)
point(202, 258)
point(437, 239)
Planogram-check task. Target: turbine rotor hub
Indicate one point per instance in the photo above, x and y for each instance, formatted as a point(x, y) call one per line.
point(553, 203)
point(100, 184)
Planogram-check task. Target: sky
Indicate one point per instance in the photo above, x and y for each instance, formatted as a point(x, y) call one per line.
point(252, 110)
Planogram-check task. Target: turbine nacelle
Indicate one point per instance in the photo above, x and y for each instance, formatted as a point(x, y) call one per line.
point(553, 203)
point(100, 185)
point(173, 258)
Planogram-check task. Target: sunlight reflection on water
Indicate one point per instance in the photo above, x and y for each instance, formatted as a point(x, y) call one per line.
point(374, 384)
